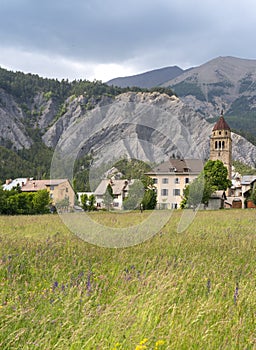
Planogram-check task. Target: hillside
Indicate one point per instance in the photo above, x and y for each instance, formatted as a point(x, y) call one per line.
point(102, 123)
point(148, 79)
point(226, 83)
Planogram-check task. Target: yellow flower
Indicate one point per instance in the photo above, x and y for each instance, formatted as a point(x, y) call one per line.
point(143, 341)
point(159, 343)
point(141, 347)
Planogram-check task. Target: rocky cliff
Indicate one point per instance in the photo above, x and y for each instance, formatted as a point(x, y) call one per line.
point(146, 126)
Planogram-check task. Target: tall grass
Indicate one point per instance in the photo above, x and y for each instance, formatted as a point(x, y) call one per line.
point(190, 290)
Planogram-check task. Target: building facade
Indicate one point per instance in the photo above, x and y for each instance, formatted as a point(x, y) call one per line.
point(221, 144)
point(171, 177)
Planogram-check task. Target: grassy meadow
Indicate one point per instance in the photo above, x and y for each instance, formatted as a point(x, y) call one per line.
point(189, 290)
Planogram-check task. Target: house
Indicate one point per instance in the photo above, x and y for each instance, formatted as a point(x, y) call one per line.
point(120, 190)
point(10, 184)
point(171, 177)
point(60, 190)
point(248, 183)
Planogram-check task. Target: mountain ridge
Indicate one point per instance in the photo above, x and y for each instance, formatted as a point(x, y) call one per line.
point(35, 111)
point(148, 79)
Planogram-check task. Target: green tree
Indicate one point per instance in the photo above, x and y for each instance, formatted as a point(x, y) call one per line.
point(41, 202)
point(216, 175)
point(199, 191)
point(92, 201)
point(135, 196)
point(211, 179)
point(149, 199)
point(84, 201)
point(108, 197)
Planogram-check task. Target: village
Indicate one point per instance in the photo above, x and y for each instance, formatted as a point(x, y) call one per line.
point(169, 179)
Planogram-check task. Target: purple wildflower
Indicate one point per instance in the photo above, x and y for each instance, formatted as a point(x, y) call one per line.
point(55, 285)
point(236, 293)
point(88, 283)
point(208, 286)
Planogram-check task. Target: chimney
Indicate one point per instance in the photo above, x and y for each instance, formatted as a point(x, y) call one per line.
point(8, 181)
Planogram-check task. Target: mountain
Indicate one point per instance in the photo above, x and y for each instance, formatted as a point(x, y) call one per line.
point(226, 83)
point(92, 122)
point(148, 79)
point(142, 125)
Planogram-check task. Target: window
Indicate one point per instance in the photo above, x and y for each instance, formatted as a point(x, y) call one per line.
point(176, 180)
point(52, 187)
point(164, 192)
point(155, 181)
point(219, 132)
point(176, 192)
point(165, 180)
point(186, 180)
point(216, 144)
point(223, 144)
point(116, 204)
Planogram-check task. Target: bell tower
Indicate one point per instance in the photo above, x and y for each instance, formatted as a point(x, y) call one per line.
point(221, 144)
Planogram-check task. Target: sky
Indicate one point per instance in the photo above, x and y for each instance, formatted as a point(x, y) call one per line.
point(105, 39)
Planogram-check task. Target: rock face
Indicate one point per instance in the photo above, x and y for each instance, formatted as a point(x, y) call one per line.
point(12, 130)
point(223, 83)
point(146, 126)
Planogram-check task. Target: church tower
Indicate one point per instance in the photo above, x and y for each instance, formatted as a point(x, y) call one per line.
point(221, 144)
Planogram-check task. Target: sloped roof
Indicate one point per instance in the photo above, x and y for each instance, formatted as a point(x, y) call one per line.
point(178, 166)
point(248, 179)
point(117, 185)
point(221, 124)
point(36, 185)
point(14, 183)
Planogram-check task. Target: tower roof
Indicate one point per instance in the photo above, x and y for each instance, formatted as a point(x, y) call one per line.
point(221, 124)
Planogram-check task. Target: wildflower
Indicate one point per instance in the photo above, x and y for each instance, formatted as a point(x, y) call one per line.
point(159, 343)
point(55, 285)
point(88, 283)
point(208, 286)
point(142, 345)
point(236, 293)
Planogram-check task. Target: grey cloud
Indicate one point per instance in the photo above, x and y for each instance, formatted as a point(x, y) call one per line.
point(116, 31)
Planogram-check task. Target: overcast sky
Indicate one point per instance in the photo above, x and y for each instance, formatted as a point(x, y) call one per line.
point(105, 39)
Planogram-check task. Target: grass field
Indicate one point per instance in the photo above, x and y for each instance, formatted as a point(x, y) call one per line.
point(189, 290)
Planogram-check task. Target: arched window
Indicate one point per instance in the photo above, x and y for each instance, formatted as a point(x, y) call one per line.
point(219, 144)
point(223, 144)
point(216, 144)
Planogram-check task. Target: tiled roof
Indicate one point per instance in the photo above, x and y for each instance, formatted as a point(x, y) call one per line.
point(117, 185)
point(13, 183)
point(221, 124)
point(248, 179)
point(178, 166)
point(36, 185)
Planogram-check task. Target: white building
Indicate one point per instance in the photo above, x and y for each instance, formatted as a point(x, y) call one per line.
point(171, 177)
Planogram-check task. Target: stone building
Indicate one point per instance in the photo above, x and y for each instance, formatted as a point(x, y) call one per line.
point(221, 144)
